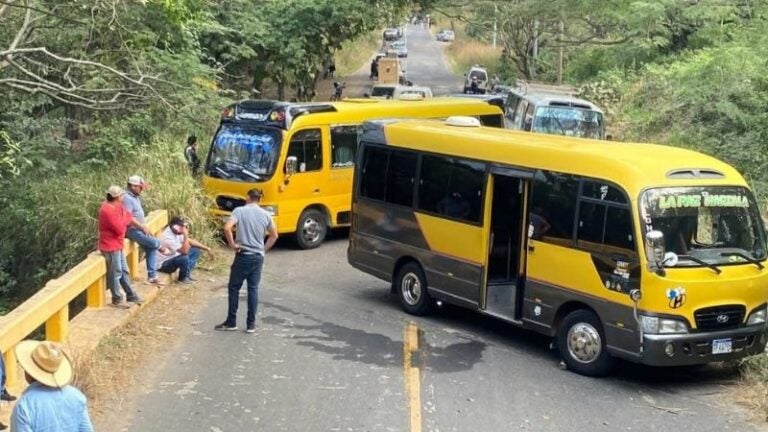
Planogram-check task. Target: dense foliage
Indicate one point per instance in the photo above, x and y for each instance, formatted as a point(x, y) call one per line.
point(96, 90)
point(690, 73)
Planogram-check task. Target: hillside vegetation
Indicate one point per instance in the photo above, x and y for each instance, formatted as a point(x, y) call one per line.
point(97, 90)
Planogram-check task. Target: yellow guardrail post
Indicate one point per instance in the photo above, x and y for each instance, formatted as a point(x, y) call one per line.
point(57, 326)
point(132, 256)
point(10, 366)
point(95, 296)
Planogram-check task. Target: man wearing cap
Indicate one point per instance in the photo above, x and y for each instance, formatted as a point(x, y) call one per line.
point(113, 220)
point(179, 251)
point(49, 403)
point(138, 231)
point(253, 224)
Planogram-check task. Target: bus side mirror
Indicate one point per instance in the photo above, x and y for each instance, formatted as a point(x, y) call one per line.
point(654, 250)
point(291, 165)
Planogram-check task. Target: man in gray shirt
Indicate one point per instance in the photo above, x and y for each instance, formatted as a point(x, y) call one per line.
point(138, 231)
point(253, 223)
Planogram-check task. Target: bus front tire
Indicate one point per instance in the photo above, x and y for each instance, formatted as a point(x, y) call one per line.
point(581, 342)
point(411, 286)
point(311, 229)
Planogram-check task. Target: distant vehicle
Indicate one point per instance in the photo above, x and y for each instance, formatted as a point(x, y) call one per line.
point(480, 74)
point(397, 91)
point(554, 110)
point(391, 35)
point(400, 48)
point(446, 36)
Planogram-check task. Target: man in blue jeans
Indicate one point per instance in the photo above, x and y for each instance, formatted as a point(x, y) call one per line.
point(137, 230)
point(253, 224)
point(4, 395)
point(178, 250)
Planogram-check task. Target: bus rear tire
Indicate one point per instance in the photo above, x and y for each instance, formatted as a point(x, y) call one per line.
point(311, 229)
point(581, 342)
point(411, 287)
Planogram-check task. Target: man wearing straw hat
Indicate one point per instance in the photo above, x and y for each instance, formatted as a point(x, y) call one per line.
point(49, 403)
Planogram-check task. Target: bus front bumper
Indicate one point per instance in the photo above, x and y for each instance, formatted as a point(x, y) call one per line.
point(704, 347)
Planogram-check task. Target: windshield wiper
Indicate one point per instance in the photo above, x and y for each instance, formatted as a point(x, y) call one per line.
point(222, 172)
point(245, 171)
point(745, 256)
point(702, 262)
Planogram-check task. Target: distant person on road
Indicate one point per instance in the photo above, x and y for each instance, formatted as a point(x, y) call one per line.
point(494, 83)
point(338, 90)
point(138, 230)
point(113, 220)
point(253, 224)
point(331, 71)
point(474, 87)
point(374, 69)
point(190, 154)
point(49, 404)
point(179, 251)
point(4, 395)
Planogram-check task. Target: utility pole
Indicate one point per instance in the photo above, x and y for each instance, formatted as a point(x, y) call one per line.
point(560, 54)
point(535, 48)
point(495, 13)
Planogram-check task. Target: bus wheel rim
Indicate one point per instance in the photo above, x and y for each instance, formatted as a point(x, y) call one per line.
point(584, 343)
point(311, 230)
point(411, 288)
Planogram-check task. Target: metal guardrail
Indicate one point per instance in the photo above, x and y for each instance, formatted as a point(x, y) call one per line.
point(50, 305)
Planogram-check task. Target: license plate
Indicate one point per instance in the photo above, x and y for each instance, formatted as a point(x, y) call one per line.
point(722, 346)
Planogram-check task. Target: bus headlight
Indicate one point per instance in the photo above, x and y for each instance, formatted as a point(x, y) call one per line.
point(271, 209)
point(657, 325)
point(758, 316)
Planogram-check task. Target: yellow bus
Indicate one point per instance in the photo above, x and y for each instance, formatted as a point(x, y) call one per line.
point(649, 253)
point(302, 156)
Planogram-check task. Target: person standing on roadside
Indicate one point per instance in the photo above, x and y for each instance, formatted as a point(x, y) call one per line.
point(190, 154)
point(49, 404)
point(253, 224)
point(4, 395)
point(138, 230)
point(113, 221)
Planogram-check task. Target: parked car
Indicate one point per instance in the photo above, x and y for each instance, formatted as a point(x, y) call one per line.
point(478, 73)
point(400, 48)
point(446, 36)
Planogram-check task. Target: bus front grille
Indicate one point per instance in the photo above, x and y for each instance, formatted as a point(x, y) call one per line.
point(720, 317)
point(229, 203)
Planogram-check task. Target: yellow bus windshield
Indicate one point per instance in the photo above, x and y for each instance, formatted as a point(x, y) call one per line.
point(717, 225)
point(243, 152)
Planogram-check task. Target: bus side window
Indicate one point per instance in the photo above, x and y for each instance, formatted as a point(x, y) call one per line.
point(451, 188)
point(554, 200)
point(510, 110)
point(306, 146)
point(344, 145)
point(528, 125)
point(374, 178)
point(619, 236)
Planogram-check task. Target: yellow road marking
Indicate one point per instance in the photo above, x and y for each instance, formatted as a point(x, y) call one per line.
point(412, 379)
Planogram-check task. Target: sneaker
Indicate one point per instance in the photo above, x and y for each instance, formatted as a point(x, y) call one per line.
point(136, 300)
point(186, 281)
point(225, 327)
point(251, 329)
point(7, 396)
point(3, 427)
point(191, 278)
point(120, 305)
point(155, 281)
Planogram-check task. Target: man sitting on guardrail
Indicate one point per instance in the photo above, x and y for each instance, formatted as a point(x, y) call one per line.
point(113, 221)
point(49, 403)
point(179, 251)
point(138, 230)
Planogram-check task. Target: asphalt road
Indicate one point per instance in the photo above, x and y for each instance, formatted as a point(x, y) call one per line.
point(334, 352)
point(329, 356)
point(426, 63)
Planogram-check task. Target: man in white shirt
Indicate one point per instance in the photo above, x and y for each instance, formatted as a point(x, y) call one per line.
point(178, 251)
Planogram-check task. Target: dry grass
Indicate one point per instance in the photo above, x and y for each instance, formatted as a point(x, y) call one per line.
point(117, 364)
point(353, 55)
point(465, 52)
point(752, 392)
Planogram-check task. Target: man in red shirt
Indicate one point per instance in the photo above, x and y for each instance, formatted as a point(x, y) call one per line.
point(113, 222)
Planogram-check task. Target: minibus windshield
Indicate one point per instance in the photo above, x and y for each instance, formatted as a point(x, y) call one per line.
point(713, 225)
point(243, 152)
point(569, 121)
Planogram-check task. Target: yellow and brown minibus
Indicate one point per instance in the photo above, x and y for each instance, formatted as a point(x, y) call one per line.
point(644, 252)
